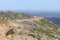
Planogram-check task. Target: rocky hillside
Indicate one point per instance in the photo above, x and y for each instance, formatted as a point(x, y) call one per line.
point(12, 15)
point(27, 28)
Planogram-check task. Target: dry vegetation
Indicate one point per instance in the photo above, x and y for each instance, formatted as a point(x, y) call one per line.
point(31, 28)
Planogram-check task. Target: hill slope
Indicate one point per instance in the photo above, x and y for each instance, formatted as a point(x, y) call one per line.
point(28, 28)
point(12, 15)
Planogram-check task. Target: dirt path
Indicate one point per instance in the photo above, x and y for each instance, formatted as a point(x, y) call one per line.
point(29, 19)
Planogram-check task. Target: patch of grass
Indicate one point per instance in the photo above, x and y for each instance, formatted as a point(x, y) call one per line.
point(3, 21)
point(27, 23)
point(33, 35)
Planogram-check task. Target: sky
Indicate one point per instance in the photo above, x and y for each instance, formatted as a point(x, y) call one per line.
point(30, 5)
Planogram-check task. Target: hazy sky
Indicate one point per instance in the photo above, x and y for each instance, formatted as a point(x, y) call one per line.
point(30, 5)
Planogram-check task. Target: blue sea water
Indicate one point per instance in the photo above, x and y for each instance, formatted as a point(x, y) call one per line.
point(55, 20)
